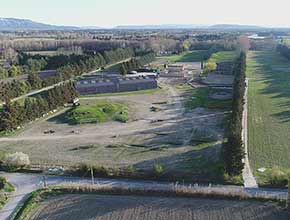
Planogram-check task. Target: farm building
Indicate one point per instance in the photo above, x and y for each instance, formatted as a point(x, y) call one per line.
point(98, 86)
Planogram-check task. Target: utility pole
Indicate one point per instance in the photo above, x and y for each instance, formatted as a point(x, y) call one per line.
point(92, 175)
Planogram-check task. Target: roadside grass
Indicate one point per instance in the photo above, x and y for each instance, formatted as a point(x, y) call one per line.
point(190, 56)
point(223, 56)
point(148, 91)
point(269, 115)
point(4, 191)
point(96, 111)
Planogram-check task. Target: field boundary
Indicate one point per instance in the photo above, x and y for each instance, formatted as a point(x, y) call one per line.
point(34, 198)
point(248, 177)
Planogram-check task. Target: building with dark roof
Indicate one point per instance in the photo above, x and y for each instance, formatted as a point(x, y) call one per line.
point(99, 86)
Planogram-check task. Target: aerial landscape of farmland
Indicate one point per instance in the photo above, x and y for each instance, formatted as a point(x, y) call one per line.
point(144, 110)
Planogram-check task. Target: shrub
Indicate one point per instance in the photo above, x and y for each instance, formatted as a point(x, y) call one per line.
point(2, 182)
point(16, 160)
point(158, 169)
point(278, 178)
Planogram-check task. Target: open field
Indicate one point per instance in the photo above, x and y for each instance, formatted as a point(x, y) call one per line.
point(160, 130)
point(103, 207)
point(223, 56)
point(269, 112)
point(191, 56)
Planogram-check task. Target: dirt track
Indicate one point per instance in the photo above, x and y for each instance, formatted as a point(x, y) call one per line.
point(149, 137)
point(100, 207)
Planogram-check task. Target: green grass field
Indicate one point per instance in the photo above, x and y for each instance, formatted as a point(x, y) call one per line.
point(269, 113)
point(191, 56)
point(96, 112)
point(223, 56)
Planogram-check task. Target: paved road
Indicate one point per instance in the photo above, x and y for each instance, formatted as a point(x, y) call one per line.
point(248, 177)
point(26, 183)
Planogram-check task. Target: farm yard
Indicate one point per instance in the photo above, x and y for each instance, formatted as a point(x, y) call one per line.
point(268, 122)
point(161, 130)
point(103, 207)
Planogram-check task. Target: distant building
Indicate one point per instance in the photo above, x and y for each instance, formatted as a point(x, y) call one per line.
point(99, 86)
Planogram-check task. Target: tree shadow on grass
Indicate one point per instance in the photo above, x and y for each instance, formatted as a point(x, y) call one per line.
point(277, 81)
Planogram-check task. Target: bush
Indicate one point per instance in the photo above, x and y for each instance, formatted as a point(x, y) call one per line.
point(278, 178)
point(16, 160)
point(2, 182)
point(158, 169)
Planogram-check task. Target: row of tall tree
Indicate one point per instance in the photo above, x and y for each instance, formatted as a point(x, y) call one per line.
point(234, 148)
point(76, 65)
point(16, 114)
point(136, 63)
point(283, 50)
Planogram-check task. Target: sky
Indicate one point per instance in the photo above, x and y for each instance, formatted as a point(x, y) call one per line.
point(109, 13)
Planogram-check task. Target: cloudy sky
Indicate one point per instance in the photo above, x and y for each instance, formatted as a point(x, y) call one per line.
point(108, 13)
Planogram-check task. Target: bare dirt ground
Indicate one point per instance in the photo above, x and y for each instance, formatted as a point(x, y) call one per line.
point(101, 207)
point(149, 137)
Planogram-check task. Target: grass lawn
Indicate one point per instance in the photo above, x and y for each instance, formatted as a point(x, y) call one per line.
point(223, 56)
point(96, 112)
point(191, 56)
point(269, 113)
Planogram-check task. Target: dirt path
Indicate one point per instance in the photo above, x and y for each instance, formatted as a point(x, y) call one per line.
point(248, 177)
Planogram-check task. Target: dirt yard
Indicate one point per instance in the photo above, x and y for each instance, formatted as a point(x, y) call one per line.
point(159, 130)
point(101, 207)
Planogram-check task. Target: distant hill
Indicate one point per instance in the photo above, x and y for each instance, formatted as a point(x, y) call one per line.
point(161, 27)
point(235, 27)
point(14, 24)
point(190, 26)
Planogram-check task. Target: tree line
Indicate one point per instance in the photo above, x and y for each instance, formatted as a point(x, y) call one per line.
point(283, 50)
point(15, 114)
point(233, 149)
point(136, 63)
point(73, 65)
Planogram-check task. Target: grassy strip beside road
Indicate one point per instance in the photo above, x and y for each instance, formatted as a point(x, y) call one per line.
point(269, 116)
point(148, 91)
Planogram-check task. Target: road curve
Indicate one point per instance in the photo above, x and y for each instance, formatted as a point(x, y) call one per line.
point(27, 183)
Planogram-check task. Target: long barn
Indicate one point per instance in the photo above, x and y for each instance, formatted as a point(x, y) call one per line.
point(99, 86)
